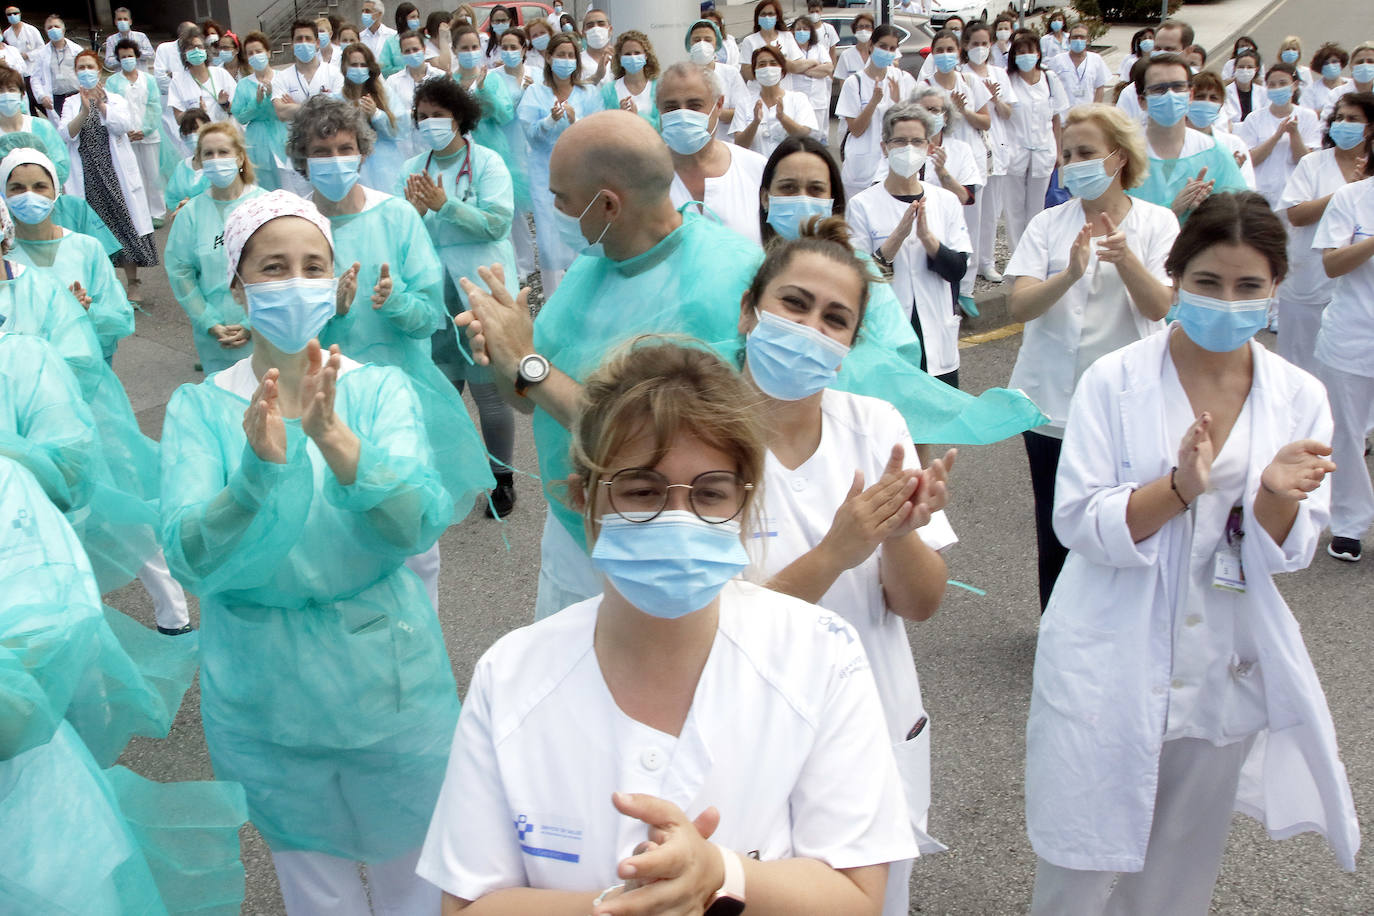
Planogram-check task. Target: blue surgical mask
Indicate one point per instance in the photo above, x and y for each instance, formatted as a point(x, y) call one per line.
point(368, 19)
point(1203, 114)
point(512, 57)
point(196, 56)
point(1331, 69)
point(469, 60)
point(669, 566)
point(1078, 45)
point(334, 176)
point(1056, 26)
point(437, 133)
point(883, 58)
point(123, 25)
point(633, 63)
point(567, 28)
point(88, 79)
point(786, 214)
point(500, 28)
point(563, 67)
point(1086, 180)
point(305, 51)
point(220, 172)
point(30, 208)
point(958, 34)
point(790, 361)
point(1027, 62)
point(1147, 45)
point(1168, 108)
point(128, 64)
point(357, 75)
point(945, 61)
point(768, 23)
point(685, 131)
point(223, 57)
point(1289, 56)
point(540, 42)
point(14, 18)
point(413, 25)
point(1347, 134)
point(937, 123)
point(1280, 95)
point(570, 231)
point(54, 34)
point(258, 61)
point(11, 103)
point(414, 60)
point(1218, 325)
point(291, 313)
point(324, 39)
point(1363, 73)
point(801, 36)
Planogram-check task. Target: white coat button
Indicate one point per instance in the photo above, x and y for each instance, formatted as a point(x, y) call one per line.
point(1176, 684)
point(798, 484)
point(652, 759)
point(1193, 620)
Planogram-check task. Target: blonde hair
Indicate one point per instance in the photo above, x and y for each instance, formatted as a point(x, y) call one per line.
point(651, 70)
point(1121, 132)
point(667, 387)
point(230, 130)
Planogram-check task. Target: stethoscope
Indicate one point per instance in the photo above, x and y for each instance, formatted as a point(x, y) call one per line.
point(465, 170)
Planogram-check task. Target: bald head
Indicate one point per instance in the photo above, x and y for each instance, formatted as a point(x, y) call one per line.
point(615, 150)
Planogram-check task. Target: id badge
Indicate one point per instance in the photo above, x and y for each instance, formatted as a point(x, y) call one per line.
point(1227, 570)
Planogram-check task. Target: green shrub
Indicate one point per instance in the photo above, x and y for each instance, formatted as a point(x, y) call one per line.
point(1145, 11)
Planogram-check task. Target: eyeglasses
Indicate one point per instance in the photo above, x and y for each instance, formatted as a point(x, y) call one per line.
point(1161, 88)
point(908, 141)
point(641, 494)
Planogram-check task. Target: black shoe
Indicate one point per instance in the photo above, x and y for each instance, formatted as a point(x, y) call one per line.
point(179, 631)
point(1347, 549)
point(503, 497)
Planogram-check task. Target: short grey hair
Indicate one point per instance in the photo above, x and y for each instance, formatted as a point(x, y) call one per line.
point(184, 39)
point(688, 70)
point(325, 116)
point(952, 114)
point(907, 111)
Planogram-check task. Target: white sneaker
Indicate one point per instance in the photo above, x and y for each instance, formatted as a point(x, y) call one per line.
point(990, 274)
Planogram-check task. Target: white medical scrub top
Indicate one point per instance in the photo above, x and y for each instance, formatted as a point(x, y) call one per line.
point(1081, 81)
point(186, 93)
point(770, 131)
point(1031, 128)
point(862, 153)
point(1346, 340)
point(302, 90)
point(732, 198)
point(736, 95)
point(998, 140)
point(1272, 174)
point(1316, 175)
point(785, 737)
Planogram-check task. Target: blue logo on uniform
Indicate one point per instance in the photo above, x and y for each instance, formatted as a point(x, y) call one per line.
point(834, 625)
point(523, 828)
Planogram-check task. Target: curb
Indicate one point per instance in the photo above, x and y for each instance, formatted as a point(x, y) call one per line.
point(1245, 27)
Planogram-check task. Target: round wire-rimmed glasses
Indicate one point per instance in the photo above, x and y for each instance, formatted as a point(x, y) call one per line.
point(641, 494)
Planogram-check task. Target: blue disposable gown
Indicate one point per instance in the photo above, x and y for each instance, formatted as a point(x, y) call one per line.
point(263, 132)
point(390, 232)
point(516, 145)
point(472, 229)
point(542, 132)
point(185, 182)
point(152, 106)
point(76, 258)
point(610, 99)
point(198, 271)
point(50, 142)
point(389, 153)
point(498, 110)
point(1166, 177)
point(326, 687)
point(75, 214)
point(80, 840)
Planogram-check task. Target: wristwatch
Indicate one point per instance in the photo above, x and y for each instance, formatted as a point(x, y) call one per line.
point(729, 900)
point(531, 370)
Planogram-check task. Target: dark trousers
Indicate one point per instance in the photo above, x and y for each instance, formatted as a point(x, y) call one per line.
point(1043, 454)
point(949, 378)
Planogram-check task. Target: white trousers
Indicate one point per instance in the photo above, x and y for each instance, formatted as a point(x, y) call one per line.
point(1193, 805)
point(523, 240)
point(315, 884)
point(1298, 327)
point(973, 218)
point(169, 601)
point(1352, 411)
point(1025, 197)
point(426, 566)
point(147, 156)
point(990, 211)
point(897, 901)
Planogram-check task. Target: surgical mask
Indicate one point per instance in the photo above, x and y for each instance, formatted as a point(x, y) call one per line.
point(802, 36)
point(1168, 108)
point(196, 56)
point(1218, 325)
point(540, 41)
point(703, 52)
point(13, 18)
point(1004, 36)
point(413, 25)
point(54, 34)
point(570, 231)
point(768, 23)
point(11, 103)
point(128, 64)
point(633, 63)
point(220, 172)
point(469, 60)
point(324, 39)
point(1345, 134)
point(863, 35)
point(598, 36)
point(88, 79)
point(512, 57)
point(357, 75)
point(258, 61)
point(1331, 70)
point(1056, 26)
point(1086, 180)
point(1280, 95)
point(906, 160)
point(1026, 62)
point(939, 125)
point(568, 28)
point(786, 214)
point(1363, 73)
point(1245, 75)
point(438, 133)
point(499, 28)
point(979, 54)
point(30, 207)
point(123, 25)
point(291, 313)
point(1147, 45)
point(1078, 45)
point(1203, 114)
point(958, 34)
point(414, 60)
point(685, 131)
point(672, 565)
point(334, 176)
point(883, 58)
point(945, 61)
point(563, 67)
point(224, 57)
point(368, 20)
point(1289, 57)
point(790, 361)
point(305, 52)
point(768, 76)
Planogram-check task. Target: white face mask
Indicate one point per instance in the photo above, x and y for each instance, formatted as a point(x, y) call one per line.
point(768, 76)
point(906, 160)
point(1004, 36)
point(863, 35)
point(1245, 75)
point(598, 37)
point(703, 52)
point(979, 54)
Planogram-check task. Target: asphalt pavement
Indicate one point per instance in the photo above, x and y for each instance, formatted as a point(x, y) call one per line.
point(974, 656)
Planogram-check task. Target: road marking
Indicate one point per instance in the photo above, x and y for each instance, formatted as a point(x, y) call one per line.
point(974, 340)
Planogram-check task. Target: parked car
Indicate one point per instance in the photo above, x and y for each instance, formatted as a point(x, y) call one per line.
point(914, 45)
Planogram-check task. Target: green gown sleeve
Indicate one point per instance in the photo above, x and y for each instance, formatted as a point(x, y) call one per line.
point(497, 107)
point(75, 214)
point(183, 269)
point(110, 312)
point(416, 304)
point(246, 107)
point(390, 60)
point(55, 148)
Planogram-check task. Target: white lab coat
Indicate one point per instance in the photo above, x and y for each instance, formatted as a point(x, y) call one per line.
point(120, 118)
point(1102, 668)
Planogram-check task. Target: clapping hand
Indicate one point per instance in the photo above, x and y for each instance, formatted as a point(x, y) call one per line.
point(1194, 192)
point(81, 295)
point(382, 291)
point(1195, 455)
point(1080, 253)
point(1112, 249)
point(230, 336)
point(426, 193)
point(317, 390)
point(500, 331)
point(1297, 469)
point(867, 517)
point(347, 288)
point(262, 421)
point(675, 871)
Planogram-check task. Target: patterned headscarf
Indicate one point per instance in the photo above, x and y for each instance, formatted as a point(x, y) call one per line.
point(250, 216)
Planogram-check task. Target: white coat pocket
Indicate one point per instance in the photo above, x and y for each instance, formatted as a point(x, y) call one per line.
point(913, 765)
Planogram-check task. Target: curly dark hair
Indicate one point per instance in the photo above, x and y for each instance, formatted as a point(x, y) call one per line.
point(444, 92)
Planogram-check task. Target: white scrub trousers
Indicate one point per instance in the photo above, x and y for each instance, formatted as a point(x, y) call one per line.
point(1025, 197)
point(989, 212)
point(169, 601)
point(1352, 411)
point(1193, 805)
point(973, 219)
point(147, 156)
point(1298, 327)
point(315, 884)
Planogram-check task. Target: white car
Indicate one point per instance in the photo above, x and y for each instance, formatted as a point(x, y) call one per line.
point(987, 10)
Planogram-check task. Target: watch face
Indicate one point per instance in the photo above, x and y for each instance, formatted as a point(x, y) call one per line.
point(534, 368)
